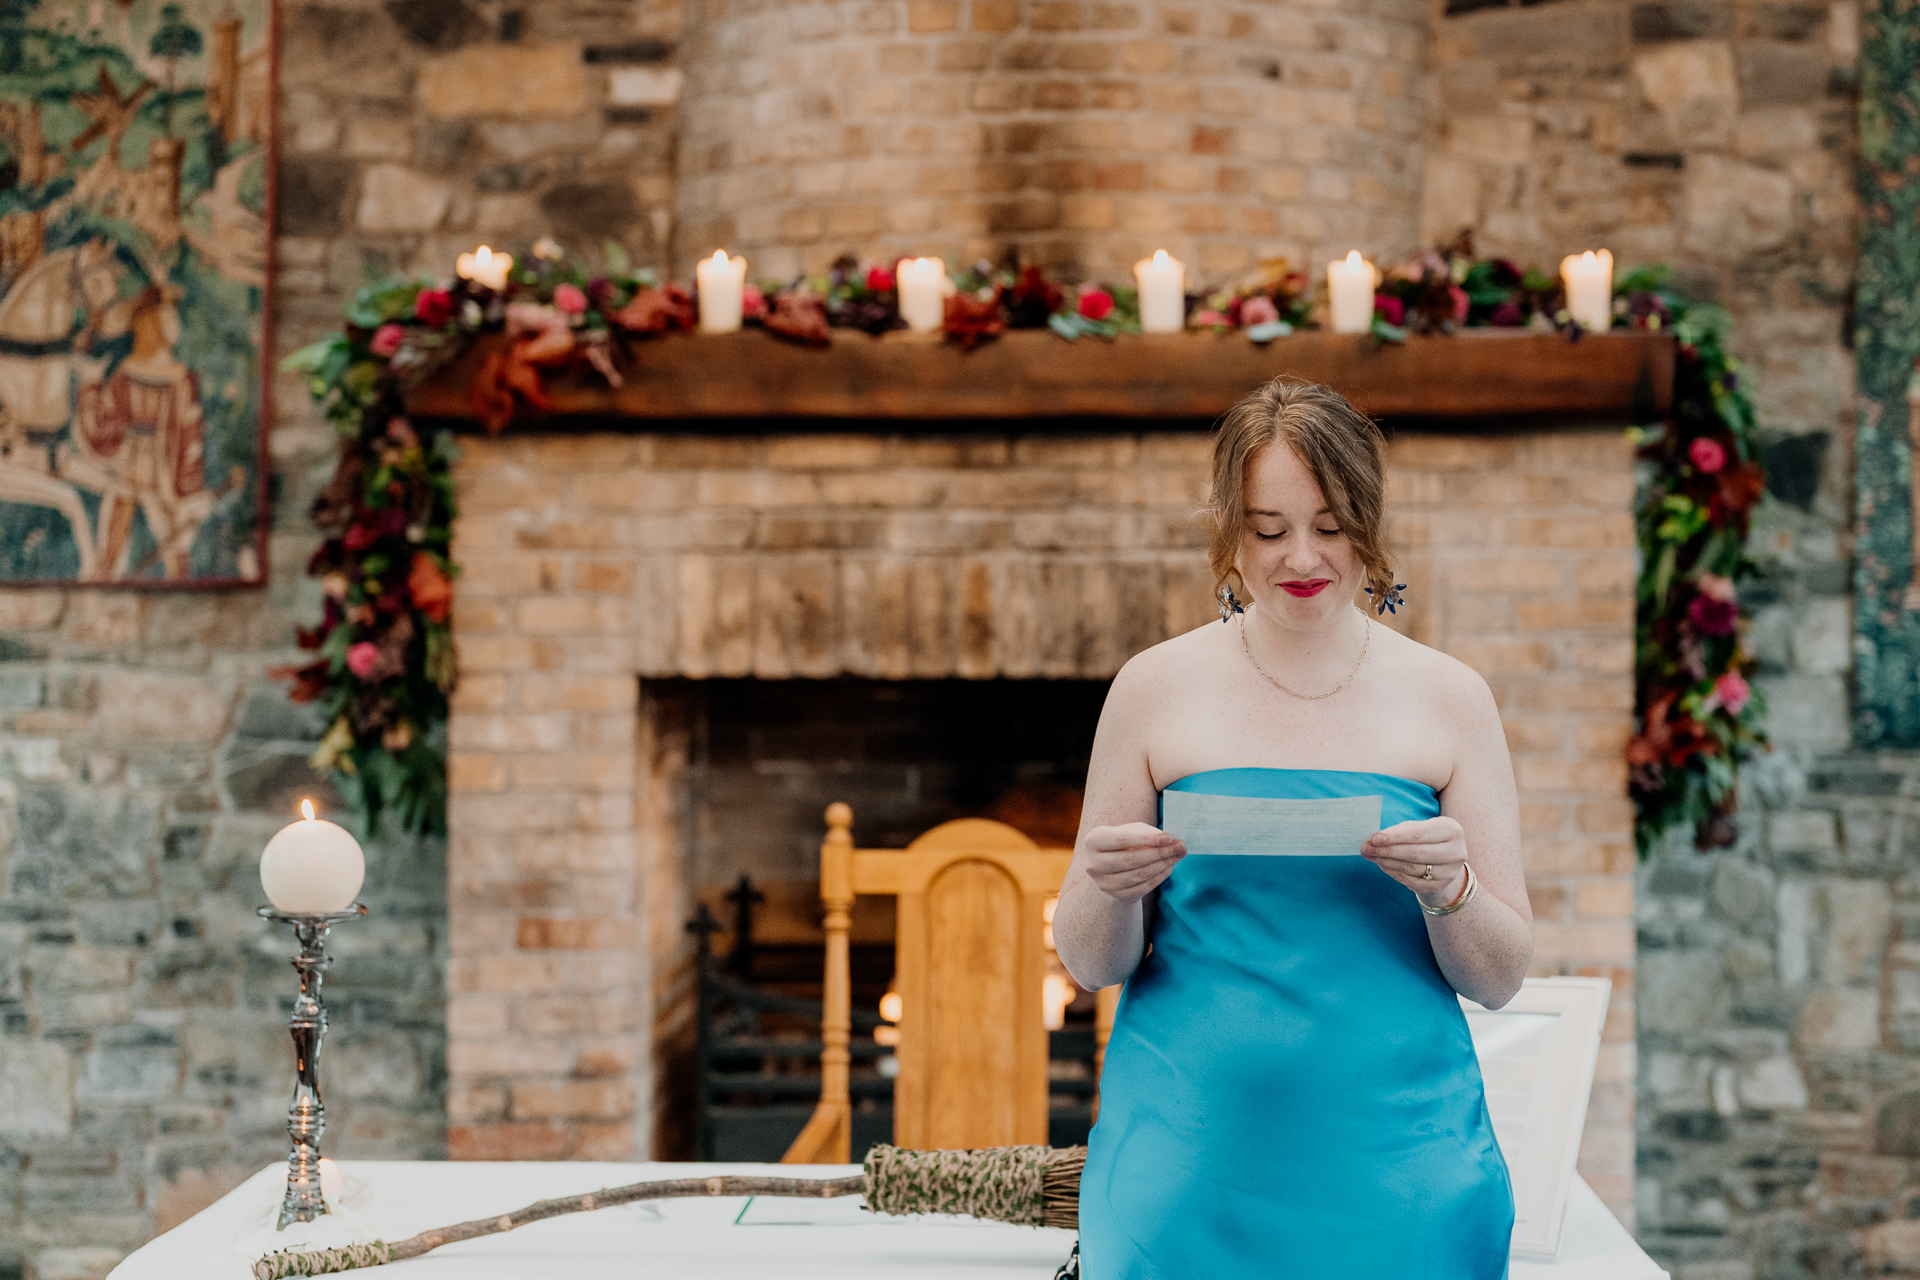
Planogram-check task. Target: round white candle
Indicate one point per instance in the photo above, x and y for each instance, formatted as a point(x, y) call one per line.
point(722, 281)
point(484, 266)
point(1350, 286)
point(1589, 280)
point(922, 283)
point(1163, 293)
point(331, 1182)
point(312, 867)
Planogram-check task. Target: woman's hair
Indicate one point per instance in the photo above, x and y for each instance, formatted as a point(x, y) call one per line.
point(1341, 447)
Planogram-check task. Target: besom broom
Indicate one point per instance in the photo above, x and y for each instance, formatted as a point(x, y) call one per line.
point(1030, 1186)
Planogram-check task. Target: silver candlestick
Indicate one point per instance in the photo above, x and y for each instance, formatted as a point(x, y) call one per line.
point(306, 1118)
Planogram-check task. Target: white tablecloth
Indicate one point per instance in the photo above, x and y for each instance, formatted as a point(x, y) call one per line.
point(700, 1239)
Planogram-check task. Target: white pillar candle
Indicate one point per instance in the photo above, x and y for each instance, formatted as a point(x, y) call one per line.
point(722, 280)
point(1589, 280)
point(484, 266)
point(1350, 286)
point(923, 293)
point(312, 867)
point(1163, 293)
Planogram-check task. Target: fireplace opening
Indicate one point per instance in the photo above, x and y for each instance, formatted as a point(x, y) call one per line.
point(752, 765)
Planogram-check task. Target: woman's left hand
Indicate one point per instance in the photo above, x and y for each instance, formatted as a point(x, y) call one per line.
point(1406, 849)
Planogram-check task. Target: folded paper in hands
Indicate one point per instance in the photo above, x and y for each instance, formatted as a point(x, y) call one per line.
point(1263, 825)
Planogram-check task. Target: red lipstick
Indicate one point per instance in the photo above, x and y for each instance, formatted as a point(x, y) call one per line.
point(1311, 587)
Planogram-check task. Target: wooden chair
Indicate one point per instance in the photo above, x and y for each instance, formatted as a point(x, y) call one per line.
point(970, 964)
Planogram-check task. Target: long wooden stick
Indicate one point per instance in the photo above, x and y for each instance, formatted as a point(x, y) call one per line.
point(323, 1261)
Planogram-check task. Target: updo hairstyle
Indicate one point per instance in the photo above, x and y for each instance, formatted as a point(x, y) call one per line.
point(1341, 447)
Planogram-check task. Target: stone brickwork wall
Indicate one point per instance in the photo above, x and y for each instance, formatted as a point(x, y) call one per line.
point(593, 559)
point(145, 756)
point(1084, 133)
point(1780, 1032)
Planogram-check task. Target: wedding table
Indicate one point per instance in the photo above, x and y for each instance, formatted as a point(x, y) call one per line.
point(695, 1239)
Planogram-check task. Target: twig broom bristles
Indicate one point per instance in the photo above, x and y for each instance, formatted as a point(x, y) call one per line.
point(1031, 1186)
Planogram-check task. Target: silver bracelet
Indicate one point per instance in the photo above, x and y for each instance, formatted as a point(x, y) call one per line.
point(1459, 903)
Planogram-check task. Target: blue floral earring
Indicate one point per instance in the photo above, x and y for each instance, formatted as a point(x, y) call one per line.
point(1391, 601)
point(1229, 605)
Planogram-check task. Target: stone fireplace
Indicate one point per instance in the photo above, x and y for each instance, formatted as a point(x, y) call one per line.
point(895, 552)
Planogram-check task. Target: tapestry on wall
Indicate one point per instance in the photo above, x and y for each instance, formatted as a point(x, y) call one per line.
point(1887, 452)
point(135, 164)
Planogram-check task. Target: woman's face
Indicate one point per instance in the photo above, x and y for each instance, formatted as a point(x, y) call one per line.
point(1294, 557)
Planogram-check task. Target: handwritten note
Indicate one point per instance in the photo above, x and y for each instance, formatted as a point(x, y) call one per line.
point(1260, 825)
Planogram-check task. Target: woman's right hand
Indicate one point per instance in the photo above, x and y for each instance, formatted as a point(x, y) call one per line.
point(1130, 861)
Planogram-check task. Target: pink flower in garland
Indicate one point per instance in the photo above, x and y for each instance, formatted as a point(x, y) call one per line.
point(752, 301)
point(433, 306)
point(569, 299)
point(386, 340)
point(1210, 320)
point(1461, 303)
point(1708, 456)
point(1096, 304)
point(1258, 309)
point(362, 657)
point(1389, 308)
point(1717, 587)
point(1732, 692)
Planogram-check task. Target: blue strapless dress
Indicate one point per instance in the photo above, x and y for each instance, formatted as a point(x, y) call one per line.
point(1290, 1089)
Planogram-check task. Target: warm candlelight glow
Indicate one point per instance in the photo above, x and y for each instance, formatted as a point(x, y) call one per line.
point(722, 285)
point(923, 287)
point(1055, 995)
point(306, 807)
point(1589, 282)
point(1350, 286)
point(484, 266)
point(1163, 293)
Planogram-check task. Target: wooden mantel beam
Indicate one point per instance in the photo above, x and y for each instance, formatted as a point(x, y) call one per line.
point(1032, 374)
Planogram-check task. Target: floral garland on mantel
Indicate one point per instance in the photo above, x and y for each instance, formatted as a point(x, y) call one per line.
point(384, 663)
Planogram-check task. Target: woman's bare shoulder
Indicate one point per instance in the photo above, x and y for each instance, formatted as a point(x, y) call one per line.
point(1160, 670)
point(1429, 674)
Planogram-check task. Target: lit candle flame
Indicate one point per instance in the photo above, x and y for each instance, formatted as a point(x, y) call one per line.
point(1353, 259)
point(1160, 260)
point(482, 256)
point(719, 257)
point(306, 807)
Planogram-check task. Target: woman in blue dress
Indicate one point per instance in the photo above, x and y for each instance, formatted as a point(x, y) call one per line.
point(1290, 1089)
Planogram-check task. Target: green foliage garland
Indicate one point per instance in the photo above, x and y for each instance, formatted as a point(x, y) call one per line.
point(385, 662)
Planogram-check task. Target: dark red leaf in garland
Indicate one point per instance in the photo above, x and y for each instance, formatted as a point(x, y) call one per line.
point(1739, 491)
point(972, 321)
point(309, 682)
point(432, 590)
point(800, 318)
point(324, 557)
point(879, 280)
point(1390, 308)
point(1668, 742)
point(1507, 316)
point(488, 395)
point(1029, 301)
point(310, 637)
point(333, 505)
point(360, 537)
point(392, 645)
point(656, 311)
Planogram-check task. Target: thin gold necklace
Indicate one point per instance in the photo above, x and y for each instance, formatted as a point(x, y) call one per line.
point(1308, 697)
